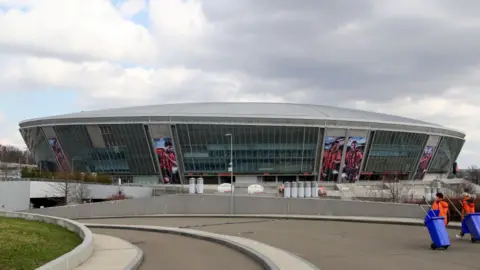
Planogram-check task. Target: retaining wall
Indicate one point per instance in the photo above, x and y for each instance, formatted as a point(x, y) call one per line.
point(211, 204)
point(71, 259)
point(14, 195)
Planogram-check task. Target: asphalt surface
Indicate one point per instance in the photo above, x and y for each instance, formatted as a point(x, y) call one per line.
point(172, 252)
point(335, 245)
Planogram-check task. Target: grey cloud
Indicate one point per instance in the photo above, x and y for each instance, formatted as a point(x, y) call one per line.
point(299, 41)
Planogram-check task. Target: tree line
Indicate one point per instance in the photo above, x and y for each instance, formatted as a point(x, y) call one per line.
point(12, 154)
point(471, 174)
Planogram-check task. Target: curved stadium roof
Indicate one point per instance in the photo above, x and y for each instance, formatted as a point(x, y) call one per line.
point(238, 110)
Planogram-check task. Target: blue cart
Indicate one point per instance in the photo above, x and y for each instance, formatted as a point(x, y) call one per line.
point(430, 214)
point(473, 224)
point(465, 229)
point(438, 232)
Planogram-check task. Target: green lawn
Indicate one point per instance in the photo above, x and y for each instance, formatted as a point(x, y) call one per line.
point(26, 244)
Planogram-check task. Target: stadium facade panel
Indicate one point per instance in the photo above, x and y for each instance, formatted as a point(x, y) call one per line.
point(270, 142)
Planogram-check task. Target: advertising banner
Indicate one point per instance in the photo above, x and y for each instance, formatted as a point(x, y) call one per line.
point(353, 158)
point(425, 159)
point(167, 159)
point(332, 157)
point(59, 155)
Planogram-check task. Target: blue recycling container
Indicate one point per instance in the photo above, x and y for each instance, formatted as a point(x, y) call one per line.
point(438, 232)
point(473, 224)
point(430, 214)
point(465, 229)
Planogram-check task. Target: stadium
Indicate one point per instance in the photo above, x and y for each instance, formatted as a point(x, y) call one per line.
point(265, 142)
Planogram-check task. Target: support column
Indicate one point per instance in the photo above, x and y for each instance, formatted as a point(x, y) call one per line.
point(151, 148)
point(178, 152)
point(322, 149)
point(344, 151)
point(365, 151)
point(369, 145)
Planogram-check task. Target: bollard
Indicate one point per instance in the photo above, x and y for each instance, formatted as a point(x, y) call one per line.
point(434, 192)
point(308, 189)
point(286, 190)
point(191, 186)
point(199, 185)
point(428, 194)
point(301, 189)
point(315, 189)
point(294, 190)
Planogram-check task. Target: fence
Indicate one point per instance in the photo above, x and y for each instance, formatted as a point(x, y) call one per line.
point(211, 204)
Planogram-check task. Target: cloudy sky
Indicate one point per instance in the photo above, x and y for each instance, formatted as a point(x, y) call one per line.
point(415, 58)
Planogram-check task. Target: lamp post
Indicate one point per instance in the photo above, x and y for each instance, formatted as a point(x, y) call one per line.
point(231, 171)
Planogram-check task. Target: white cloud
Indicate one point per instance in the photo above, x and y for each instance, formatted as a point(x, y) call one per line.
point(75, 29)
point(412, 58)
point(99, 82)
point(178, 18)
point(130, 8)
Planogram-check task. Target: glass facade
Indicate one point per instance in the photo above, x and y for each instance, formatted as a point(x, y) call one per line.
point(126, 150)
point(131, 148)
point(131, 151)
point(394, 151)
point(256, 149)
point(76, 144)
point(37, 143)
point(447, 153)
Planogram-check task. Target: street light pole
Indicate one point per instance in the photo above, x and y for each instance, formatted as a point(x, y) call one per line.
point(231, 172)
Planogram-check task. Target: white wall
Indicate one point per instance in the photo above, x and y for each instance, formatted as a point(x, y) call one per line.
point(43, 190)
point(14, 195)
point(103, 192)
point(47, 189)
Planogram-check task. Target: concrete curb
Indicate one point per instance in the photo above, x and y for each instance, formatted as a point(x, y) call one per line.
point(137, 261)
point(357, 219)
point(106, 248)
point(71, 259)
point(229, 241)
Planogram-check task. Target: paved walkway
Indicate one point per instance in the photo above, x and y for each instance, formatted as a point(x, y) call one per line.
point(335, 245)
point(173, 252)
point(111, 253)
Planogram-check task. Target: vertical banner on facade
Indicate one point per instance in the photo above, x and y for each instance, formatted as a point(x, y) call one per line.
point(59, 154)
point(332, 157)
point(426, 157)
point(353, 158)
point(167, 159)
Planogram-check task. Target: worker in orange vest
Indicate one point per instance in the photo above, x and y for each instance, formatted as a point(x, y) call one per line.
point(468, 207)
point(442, 206)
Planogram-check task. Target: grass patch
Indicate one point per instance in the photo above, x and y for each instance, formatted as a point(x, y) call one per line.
point(26, 244)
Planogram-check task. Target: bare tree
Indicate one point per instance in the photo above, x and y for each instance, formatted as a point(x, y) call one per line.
point(3, 171)
point(81, 193)
point(6, 171)
point(456, 190)
point(13, 154)
point(391, 191)
point(72, 192)
point(375, 193)
point(473, 174)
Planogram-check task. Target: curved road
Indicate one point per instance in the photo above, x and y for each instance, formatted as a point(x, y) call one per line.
point(173, 252)
point(334, 245)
